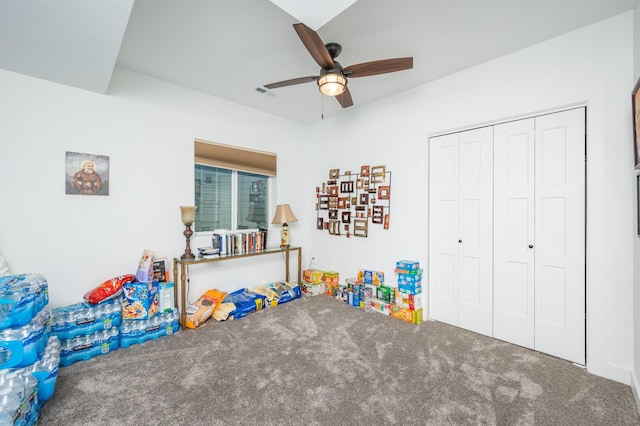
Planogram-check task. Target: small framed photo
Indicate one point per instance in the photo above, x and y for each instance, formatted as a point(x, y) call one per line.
point(346, 217)
point(360, 227)
point(377, 215)
point(384, 192)
point(346, 186)
point(86, 174)
point(334, 227)
point(323, 202)
point(378, 174)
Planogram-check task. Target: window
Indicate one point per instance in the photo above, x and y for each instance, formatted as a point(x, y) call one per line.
point(231, 187)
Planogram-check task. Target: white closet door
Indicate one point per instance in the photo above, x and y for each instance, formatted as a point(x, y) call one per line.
point(443, 228)
point(475, 233)
point(514, 288)
point(460, 229)
point(560, 235)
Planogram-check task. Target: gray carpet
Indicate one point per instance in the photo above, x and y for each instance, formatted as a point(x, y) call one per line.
point(318, 361)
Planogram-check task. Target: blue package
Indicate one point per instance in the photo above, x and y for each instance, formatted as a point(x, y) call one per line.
point(245, 301)
point(279, 292)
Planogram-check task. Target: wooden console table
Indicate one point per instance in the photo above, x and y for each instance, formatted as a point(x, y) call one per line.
point(185, 263)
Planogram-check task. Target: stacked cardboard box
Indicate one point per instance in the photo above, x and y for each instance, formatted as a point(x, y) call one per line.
point(370, 292)
point(312, 282)
point(331, 281)
point(408, 295)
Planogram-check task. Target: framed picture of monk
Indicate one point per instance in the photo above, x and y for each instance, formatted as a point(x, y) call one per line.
point(86, 174)
point(635, 102)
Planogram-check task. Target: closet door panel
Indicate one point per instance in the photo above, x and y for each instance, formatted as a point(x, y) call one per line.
point(443, 228)
point(560, 235)
point(476, 230)
point(513, 262)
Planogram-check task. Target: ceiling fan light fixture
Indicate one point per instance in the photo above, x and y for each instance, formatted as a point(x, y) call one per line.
point(332, 83)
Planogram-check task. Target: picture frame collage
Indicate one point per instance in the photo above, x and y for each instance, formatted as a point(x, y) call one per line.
point(348, 202)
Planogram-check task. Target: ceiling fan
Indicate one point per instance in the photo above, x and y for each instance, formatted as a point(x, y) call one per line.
point(332, 80)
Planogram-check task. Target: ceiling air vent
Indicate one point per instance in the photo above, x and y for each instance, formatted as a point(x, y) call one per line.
point(265, 91)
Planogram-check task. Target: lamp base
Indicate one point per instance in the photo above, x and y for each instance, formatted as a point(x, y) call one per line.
point(187, 251)
point(284, 236)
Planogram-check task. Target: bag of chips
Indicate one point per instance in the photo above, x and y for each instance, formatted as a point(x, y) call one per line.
point(109, 289)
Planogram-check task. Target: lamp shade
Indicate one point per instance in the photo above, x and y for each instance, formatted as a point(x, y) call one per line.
point(283, 214)
point(332, 83)
point(188, 214)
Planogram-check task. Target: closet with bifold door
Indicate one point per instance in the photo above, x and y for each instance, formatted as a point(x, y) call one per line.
point(460, 231)
point(507, 231)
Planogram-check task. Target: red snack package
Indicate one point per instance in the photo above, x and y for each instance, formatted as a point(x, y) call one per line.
point(108, 289)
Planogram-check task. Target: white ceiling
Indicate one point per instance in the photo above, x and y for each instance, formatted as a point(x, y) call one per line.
point(228, 48)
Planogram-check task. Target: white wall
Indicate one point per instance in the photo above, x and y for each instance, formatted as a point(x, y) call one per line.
point(592, 66)
point(147, 129)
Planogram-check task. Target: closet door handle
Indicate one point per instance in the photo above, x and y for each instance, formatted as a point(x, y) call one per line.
point(530, 245)
point(459, 241)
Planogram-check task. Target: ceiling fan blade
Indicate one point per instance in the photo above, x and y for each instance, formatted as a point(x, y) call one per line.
point(291, 82)
point(314, 45)
point(379, 67)
point(345, 98)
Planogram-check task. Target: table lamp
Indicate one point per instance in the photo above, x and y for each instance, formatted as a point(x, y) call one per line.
point(284, 215)
point(188, 217)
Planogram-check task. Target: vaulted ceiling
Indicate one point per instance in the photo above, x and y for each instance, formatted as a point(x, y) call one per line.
point(228, 48)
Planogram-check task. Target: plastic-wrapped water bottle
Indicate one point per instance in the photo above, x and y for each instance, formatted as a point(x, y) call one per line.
point(10, 405)
point(31, 397)
point(6, 420)
point(46, 370)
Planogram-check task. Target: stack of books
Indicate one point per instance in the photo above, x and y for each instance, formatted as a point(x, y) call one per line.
point(207, 252)
point(239, 242)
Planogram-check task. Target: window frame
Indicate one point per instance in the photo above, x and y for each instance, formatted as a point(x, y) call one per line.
point(238, 160)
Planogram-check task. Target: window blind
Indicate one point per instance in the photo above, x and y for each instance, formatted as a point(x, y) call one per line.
point(231, 157)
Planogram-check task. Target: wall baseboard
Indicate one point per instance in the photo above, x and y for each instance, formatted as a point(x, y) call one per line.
point(635, 388)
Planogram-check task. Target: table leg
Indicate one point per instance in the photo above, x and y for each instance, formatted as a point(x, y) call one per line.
point(175, 283)
point(183, 296)
point(286, 265)
point(299, 265)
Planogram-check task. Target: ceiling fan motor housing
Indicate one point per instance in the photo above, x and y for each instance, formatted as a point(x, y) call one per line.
point(334, 49)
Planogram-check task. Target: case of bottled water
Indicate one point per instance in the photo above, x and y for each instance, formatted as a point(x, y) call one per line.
point(86, 346)
point(25, 327)
point(21, 298)
point(139, 331)
point(84, 318)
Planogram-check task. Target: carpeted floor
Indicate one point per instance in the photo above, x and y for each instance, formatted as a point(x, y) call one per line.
point(316, 361)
